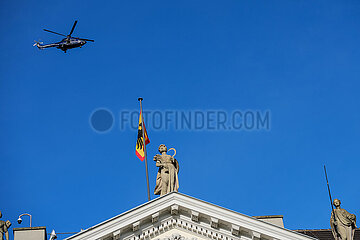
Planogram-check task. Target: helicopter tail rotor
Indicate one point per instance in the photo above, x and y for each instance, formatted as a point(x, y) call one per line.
point(37, 44)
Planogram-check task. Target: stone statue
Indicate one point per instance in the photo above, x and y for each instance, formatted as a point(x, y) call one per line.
point(167, 177)
point(342, 223)
point(4, 227)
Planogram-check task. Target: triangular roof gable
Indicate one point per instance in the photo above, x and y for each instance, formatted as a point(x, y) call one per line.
point(176, 210)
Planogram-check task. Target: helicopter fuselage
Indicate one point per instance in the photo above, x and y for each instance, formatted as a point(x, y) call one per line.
point(66, 44)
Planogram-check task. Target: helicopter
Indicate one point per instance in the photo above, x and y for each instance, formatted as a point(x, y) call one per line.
point(65, 44)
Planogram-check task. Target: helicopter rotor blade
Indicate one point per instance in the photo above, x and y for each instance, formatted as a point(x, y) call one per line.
point(54, 32)
point(90, 40)
point(72, 29)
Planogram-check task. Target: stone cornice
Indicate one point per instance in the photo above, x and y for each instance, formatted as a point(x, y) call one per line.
point(176, 210)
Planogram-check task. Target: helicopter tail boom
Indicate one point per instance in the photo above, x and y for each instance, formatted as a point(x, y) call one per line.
point(41, 46)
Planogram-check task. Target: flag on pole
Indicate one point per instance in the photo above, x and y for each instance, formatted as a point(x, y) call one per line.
point(140, 148)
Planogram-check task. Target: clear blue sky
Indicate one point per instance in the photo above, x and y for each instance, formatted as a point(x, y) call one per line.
point(297, 59)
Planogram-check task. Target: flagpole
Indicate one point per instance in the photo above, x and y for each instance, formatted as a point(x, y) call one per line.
point(143, 137)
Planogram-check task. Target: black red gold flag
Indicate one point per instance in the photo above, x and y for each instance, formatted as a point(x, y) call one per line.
point(140, 148)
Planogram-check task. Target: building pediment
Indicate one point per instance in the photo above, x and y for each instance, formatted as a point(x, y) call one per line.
point(176, 216)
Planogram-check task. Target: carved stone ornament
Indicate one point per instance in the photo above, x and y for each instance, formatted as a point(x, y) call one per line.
point(174, 209)
point(177, 236)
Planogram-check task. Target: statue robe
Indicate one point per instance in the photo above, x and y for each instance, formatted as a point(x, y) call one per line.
point(345, 227)
point(167, 177)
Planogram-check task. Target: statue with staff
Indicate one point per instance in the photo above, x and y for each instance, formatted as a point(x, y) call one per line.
point(167, 177)
point(343, 223)
point(4, 227)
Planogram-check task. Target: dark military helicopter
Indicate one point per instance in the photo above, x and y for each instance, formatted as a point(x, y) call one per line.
point(65, 44)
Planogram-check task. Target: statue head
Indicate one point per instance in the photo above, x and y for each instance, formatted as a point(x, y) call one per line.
point(162, 148)
point(337, 202)
point(0, 214)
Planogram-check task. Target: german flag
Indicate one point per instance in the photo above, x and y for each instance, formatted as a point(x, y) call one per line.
point(140, 148)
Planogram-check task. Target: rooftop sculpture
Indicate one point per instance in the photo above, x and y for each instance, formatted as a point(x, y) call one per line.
point(4, 227)
point(343, 223)
point(167, 177)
